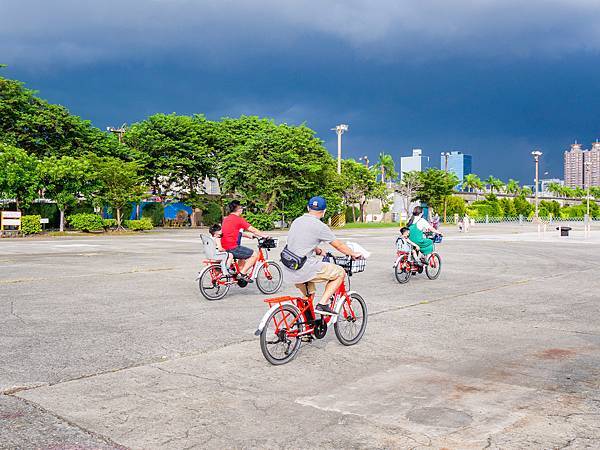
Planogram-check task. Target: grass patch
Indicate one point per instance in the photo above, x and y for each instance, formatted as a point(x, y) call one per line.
point(371, 225)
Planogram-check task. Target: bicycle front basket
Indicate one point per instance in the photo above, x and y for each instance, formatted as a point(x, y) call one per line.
point(349, 264)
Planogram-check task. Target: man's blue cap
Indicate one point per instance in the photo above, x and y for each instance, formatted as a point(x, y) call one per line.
point(317, 204)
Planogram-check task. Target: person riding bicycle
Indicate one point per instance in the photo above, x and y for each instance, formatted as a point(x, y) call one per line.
point(232, 230)
point(306, 233)
point(404, 244)
point(418, 225)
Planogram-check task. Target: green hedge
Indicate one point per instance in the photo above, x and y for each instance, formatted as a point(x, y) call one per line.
point(155, 212)
point(31, 224)
point(141, 224)
point(86, 222)
point(110, 223)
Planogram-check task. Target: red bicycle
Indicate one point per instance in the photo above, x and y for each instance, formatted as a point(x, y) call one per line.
point(405, 267)
point(216, 279)
point(292, 320)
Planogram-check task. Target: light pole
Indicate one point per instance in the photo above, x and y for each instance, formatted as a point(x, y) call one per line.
point(536, 156)
point(118, 131)
point(340, 129)
point(365, 159)
point(446, 155)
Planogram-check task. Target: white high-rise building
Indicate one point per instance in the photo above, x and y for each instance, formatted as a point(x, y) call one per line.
point(417, 162)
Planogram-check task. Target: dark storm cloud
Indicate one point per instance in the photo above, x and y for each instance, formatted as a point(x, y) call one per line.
point(75, 32)
point(493, 78)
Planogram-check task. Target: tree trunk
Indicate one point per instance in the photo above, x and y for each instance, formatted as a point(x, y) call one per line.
point(119, 218)
point(353, 213)
point(382, 174)
point(271, 203)
point(62, 220)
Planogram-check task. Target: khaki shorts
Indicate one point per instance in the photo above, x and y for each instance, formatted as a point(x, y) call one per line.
point(329, 272)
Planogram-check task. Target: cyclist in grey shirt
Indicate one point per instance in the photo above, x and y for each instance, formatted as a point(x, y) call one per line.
point(306, 233)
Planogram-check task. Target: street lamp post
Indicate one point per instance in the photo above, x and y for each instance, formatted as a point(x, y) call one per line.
point(445, 155)
point(536, 156)
point(365, 159)
point(118, 131)
point(340, 129)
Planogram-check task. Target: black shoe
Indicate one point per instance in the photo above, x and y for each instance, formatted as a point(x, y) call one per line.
point(324, 310)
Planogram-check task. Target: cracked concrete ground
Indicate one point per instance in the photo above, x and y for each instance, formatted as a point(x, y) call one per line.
point(107, 343)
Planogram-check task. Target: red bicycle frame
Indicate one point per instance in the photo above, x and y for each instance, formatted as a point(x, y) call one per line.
point(307, 312)
point(217, 275)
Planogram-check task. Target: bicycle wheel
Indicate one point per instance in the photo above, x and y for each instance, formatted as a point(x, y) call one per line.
point(352, 320)
point(276, 344)
point(434, 266)
point(269, 278)
point(208, 283)
point(402, 271)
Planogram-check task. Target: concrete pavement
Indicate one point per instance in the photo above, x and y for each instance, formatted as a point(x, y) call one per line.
point(106, 342)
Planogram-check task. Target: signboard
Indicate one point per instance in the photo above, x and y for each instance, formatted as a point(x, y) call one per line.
point(10, 219)
point(44, 220)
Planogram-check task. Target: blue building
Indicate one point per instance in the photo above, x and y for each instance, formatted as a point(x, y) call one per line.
point(458, 163)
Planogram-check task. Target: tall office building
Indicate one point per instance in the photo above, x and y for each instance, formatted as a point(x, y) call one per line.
point(417, 162)
point(574, 166)
point(458, 163)
point(577, 173)
point(592, 173)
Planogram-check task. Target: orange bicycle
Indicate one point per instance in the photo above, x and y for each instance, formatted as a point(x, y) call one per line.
point(292, 320)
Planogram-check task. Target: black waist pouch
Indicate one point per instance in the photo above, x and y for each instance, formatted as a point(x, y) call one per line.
point(290, 260)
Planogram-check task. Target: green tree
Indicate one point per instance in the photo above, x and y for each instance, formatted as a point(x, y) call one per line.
point(472, 183)
point(522, 206)
point(44, 129)
point(408, 188)
point(513, 187)
point(358, 185)
point(386, 166)
point(526, 191)
point(508, 207)
point(272, 166)
point(436, 186)
point(65, 179)
point(119, 183)
point(555, 188)
point(455, 206)
point(19, 175)
point(175, 152)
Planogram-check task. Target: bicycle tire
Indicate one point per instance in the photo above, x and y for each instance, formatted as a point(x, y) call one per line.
point(206, 284)
point(344, 319)
point(429, 271)
point(274, 268)
point(264, 335)
point(402, 276)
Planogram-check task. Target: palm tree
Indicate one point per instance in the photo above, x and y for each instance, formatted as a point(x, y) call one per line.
point(579, 192)
point(526, 191)
point(490, 182)
point(385, 164)
point(496, 184)
point(512, 187)
point(471, 181)
point(555, 188)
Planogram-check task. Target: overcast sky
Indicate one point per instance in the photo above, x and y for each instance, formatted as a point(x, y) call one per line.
point(491, 78)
